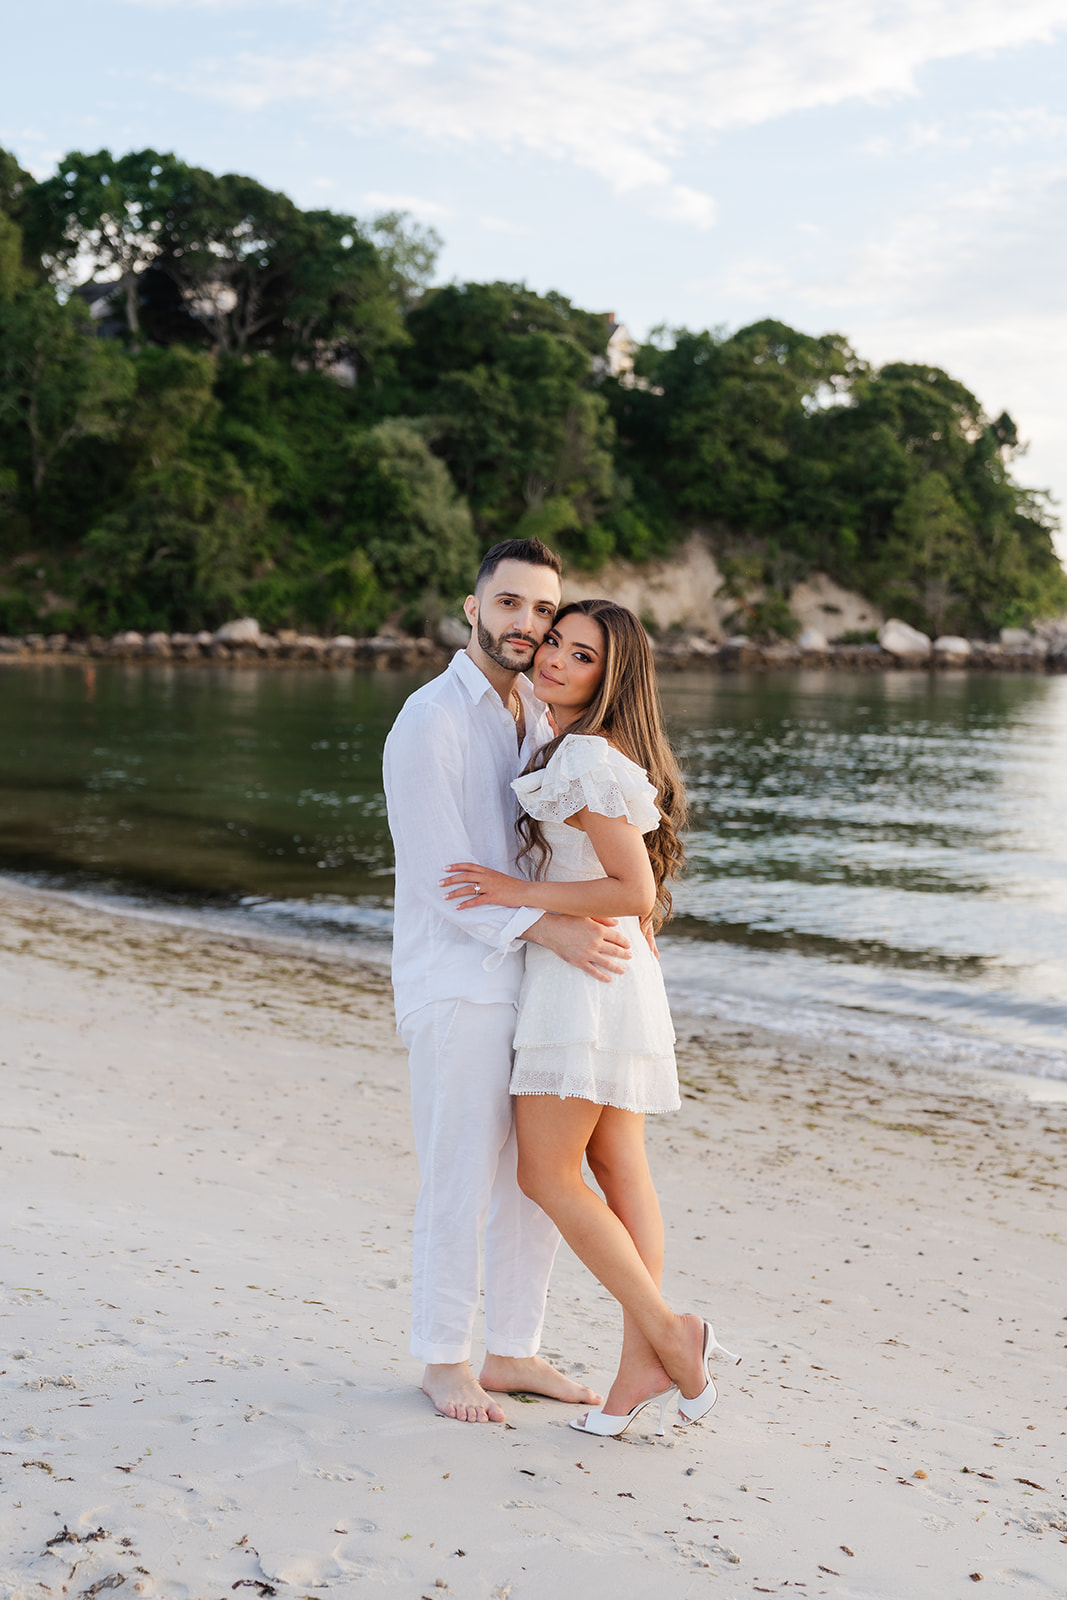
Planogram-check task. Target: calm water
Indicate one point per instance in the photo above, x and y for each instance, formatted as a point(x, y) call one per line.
point(875, 854)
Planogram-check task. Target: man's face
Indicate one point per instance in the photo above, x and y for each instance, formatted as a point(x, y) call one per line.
point(513, 612)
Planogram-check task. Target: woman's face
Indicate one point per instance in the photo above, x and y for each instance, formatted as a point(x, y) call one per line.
point(568, 667)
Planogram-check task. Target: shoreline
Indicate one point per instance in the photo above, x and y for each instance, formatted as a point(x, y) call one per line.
point(208, 1185)
point(392, 652)
point(935, 1045)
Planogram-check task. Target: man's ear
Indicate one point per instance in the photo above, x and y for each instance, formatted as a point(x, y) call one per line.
point(470, 610)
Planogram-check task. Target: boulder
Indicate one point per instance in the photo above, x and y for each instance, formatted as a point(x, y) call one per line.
point(157, 644)
point(1019, 642)
point(951, 647)
point(10, 647)
point(35, 642)
point(452, 633)
point(129, 643)
point(57, 643)
point(812, 640)
point(204, 639)
point(903, 641)
point(245, 630)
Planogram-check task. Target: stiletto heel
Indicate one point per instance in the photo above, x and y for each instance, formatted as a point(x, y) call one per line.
point(607, 1427)
point(692, 1410)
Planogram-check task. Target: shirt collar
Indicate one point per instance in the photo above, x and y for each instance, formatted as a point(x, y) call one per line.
point(471, 677)
point(477, 684)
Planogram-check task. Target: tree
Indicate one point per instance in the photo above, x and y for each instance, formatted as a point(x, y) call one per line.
point(337, 298)
point(108, 212)
point(417, 530)
point(58, 384)
point(504, 379)
point(408, 251)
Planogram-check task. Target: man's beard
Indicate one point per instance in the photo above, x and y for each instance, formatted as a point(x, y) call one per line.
point(493, 646)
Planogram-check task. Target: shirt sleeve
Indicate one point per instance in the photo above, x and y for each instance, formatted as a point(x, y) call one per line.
point(423, 775)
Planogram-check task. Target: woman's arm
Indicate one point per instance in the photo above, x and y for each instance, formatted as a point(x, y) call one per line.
point(629, 890)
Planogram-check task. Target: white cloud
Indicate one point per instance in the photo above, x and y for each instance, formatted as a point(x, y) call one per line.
point(501, 225)
point(616, 86)
point(679, 203)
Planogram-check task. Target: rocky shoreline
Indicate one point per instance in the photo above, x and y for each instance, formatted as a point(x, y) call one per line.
point(243, 643)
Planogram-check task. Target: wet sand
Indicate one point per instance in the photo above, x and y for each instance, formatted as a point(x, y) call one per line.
point(207, 1188)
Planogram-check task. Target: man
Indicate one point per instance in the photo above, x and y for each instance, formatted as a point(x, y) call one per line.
point(449, 761)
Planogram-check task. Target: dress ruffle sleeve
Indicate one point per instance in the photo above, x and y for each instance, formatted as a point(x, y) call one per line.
point(587, 771)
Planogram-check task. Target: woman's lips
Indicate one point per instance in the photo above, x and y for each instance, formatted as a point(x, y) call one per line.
point(547, 679)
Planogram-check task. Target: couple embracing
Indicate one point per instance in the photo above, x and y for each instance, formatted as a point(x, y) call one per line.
point(535, 823)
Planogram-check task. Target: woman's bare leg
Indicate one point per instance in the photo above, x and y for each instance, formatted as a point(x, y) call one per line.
point(553, 1135)
point(619, 1163)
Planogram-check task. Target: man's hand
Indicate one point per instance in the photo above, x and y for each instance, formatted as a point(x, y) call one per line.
point(597, 948)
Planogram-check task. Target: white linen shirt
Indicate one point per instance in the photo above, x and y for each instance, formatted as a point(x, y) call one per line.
point(448, 765)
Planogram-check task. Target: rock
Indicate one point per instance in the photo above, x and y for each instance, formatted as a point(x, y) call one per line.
point(903, 641)
point(813, 640)
point(35, 642)
point(56, 643)
point(342, 641)
point(157, 644)
point(10, 647)
point(129, 643)
point(950, 645)
point(1018, 642)
point(204, 639)
point(245, 630)
point(739, 651)
point(452, 634)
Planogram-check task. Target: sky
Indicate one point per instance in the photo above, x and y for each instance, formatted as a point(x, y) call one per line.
point(894, 170)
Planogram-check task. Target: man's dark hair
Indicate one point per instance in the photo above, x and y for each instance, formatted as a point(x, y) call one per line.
point(529, 550)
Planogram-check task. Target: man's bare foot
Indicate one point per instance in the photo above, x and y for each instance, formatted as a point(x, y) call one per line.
point(456, 1393)
point(531, 1375)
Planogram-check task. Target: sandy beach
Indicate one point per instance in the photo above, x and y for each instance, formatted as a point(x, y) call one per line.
point(207, 1188)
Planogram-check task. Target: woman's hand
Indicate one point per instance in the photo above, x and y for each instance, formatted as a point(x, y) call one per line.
point(481, 886)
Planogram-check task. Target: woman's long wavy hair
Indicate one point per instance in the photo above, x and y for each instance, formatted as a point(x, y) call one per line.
point(625, 710)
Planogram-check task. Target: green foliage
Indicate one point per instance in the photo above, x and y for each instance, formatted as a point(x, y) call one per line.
point(58, 384)
point(269, 410)
point(504, 376)
point(422, 538)
point(795, 455)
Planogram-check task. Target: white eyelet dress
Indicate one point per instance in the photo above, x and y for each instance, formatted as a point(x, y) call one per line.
point(611, 1043)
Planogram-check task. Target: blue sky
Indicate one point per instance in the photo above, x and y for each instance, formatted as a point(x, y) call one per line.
point(895, 170)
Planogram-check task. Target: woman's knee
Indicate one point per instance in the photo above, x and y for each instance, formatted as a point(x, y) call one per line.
point(535, 1178)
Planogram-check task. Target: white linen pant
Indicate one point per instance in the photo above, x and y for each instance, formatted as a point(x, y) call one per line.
point(463, 1117)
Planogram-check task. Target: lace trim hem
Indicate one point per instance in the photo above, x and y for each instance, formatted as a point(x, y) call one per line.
point(596, 1100)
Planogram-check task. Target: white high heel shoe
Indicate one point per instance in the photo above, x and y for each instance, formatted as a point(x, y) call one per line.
point(692, 1410)
point(599, 1422)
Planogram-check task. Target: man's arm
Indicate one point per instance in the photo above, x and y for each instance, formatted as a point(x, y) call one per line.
point(423, 775)
point(597, 948)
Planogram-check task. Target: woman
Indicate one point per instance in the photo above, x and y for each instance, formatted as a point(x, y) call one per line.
point(603, 803)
